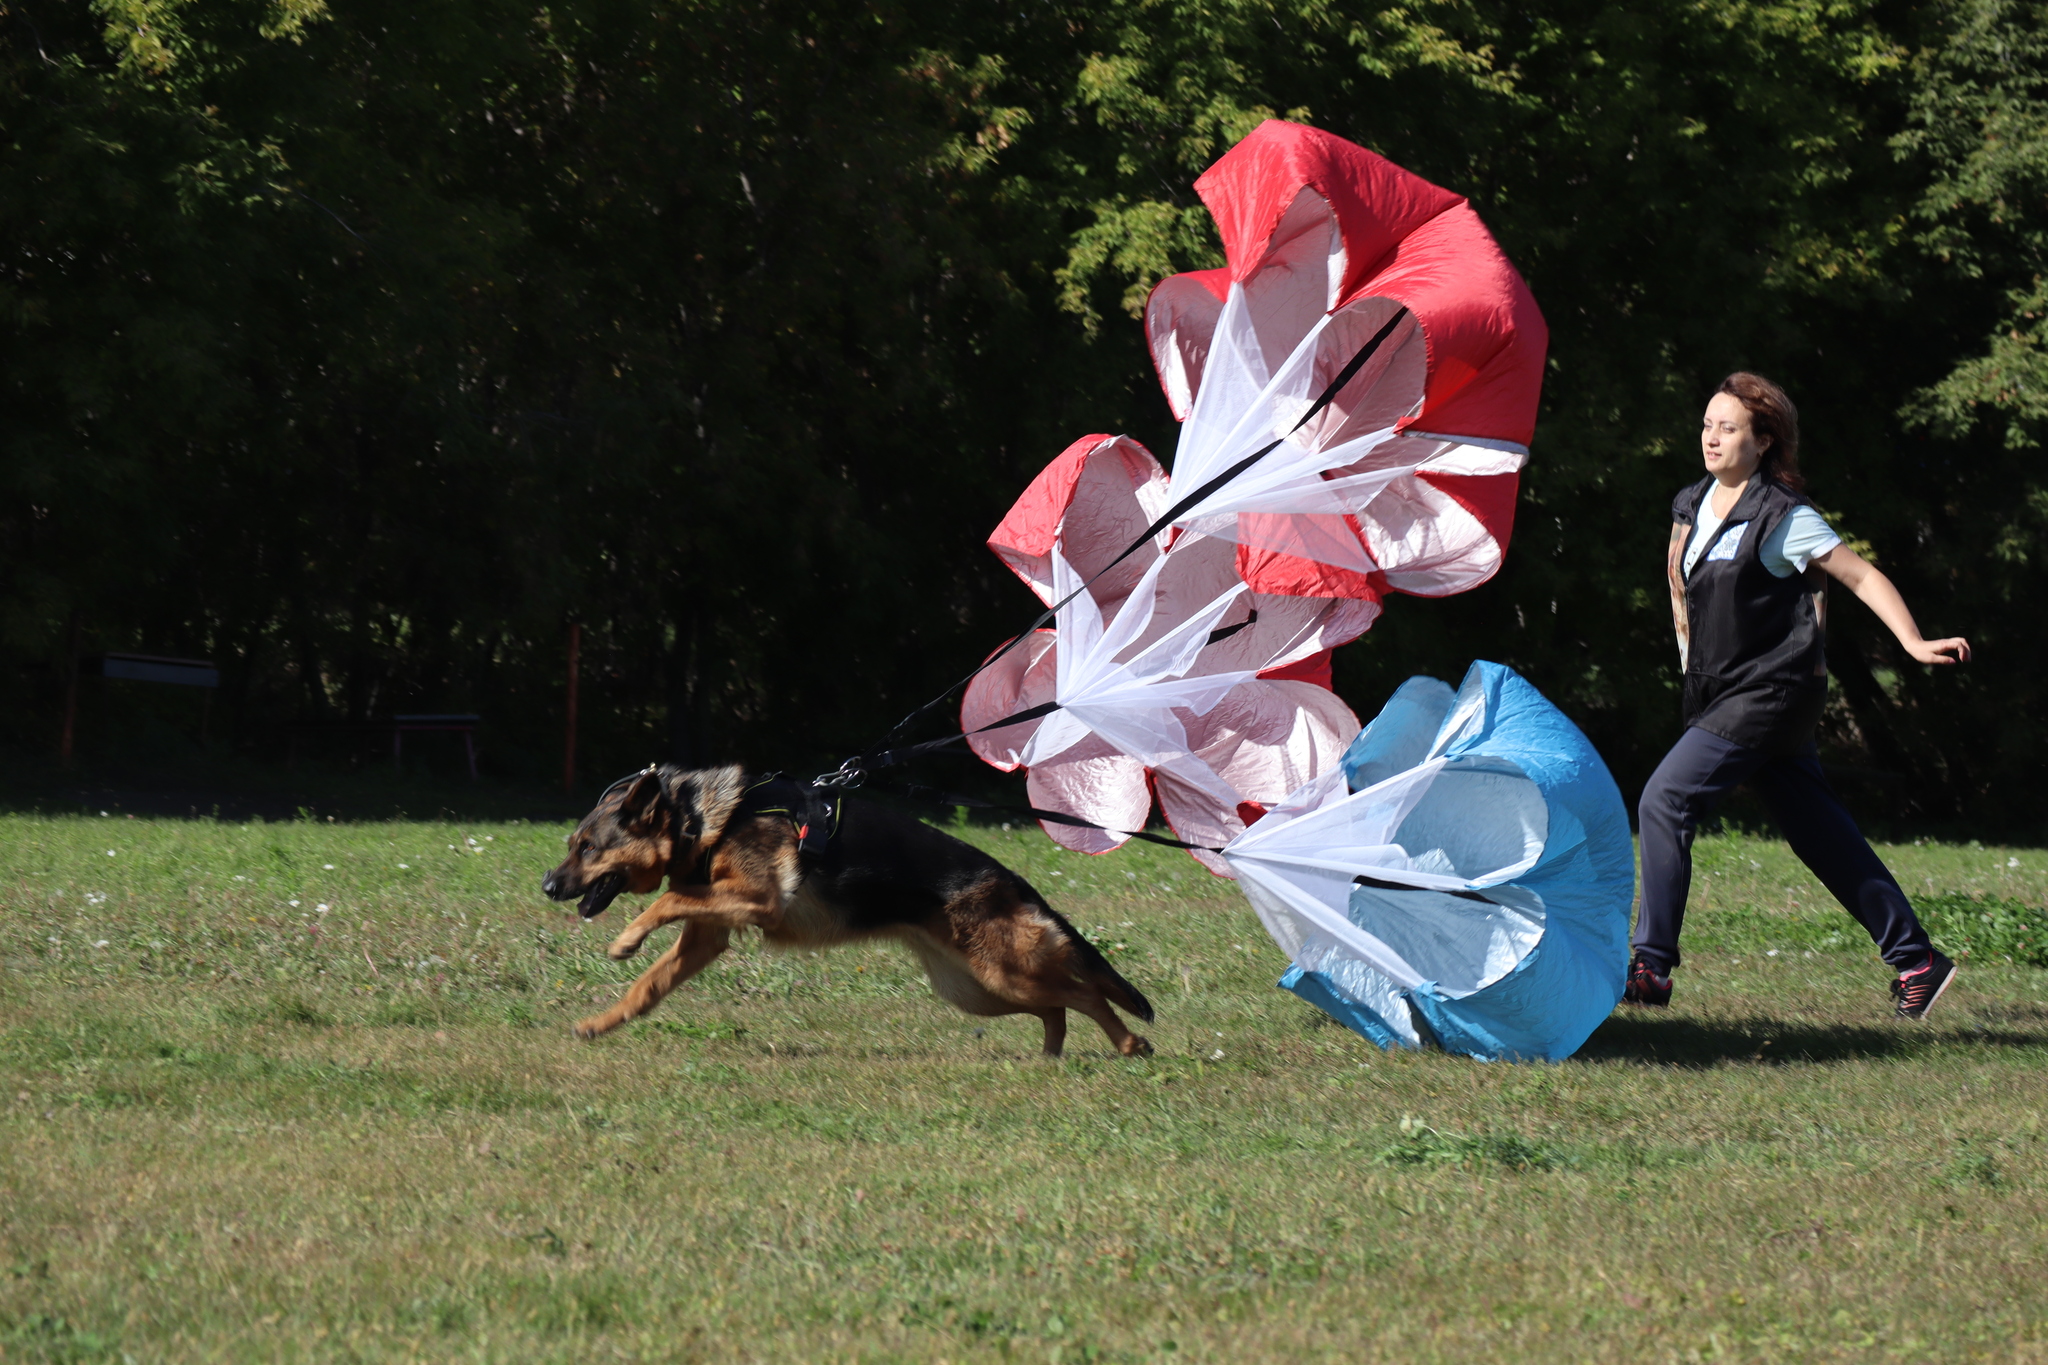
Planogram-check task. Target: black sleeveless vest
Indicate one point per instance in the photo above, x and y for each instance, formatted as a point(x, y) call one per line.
point(1756, 667)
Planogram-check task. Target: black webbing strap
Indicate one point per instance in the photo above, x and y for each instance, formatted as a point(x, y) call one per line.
point(854, 770)
point(1222, 633)
point(1381, 885)
point(1165, 519)
point(913, 791)
point(889, 757)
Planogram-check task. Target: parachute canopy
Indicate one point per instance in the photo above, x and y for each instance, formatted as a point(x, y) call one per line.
point(1357, 391)
point(1169, 673)
point(1370, 326)
point(1465, 878)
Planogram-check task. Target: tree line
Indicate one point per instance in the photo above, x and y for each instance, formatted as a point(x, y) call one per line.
point(364, 347)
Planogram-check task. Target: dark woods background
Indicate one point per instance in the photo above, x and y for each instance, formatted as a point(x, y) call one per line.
point(364, 346)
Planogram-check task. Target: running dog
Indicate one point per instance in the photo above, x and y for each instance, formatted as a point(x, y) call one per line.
point(743, 852)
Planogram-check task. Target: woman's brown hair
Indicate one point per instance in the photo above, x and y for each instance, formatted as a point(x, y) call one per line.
point(1771, 415)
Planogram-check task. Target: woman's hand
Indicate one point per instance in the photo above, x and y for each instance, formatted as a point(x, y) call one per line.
point(1863, 578)
point(1938, 651)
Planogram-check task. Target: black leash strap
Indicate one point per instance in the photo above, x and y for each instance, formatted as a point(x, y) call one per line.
point(854, 771)
point(890, 757)
point(1166, 519)
point(913, 791)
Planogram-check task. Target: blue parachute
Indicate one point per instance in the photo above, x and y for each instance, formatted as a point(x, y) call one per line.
point(1464, 880)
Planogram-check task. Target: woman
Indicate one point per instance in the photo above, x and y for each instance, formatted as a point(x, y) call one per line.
point(1750, 605)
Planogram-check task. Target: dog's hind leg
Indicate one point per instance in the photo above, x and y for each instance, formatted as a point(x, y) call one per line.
point(1125, 1041)
point(1055, 1022)
point(694, 950)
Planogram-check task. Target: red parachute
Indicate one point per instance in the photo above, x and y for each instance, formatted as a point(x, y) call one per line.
point(1214, 696)
point(1406, 479)
point(1357, 390)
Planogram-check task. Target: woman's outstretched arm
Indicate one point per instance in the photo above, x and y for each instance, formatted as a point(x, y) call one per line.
point(1863, 578)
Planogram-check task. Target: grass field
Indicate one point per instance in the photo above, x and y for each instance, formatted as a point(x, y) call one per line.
point(307, 1091)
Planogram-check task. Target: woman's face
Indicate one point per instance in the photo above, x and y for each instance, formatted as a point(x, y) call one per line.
point(1727, 442)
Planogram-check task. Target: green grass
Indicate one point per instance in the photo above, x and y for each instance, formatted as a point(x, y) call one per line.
point(237, 1128)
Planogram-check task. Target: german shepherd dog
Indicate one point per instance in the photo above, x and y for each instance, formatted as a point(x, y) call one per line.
point(742, 852)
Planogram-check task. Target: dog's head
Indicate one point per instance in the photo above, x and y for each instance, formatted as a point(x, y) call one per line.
point(626, 844)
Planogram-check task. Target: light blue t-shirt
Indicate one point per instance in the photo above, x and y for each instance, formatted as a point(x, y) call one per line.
point(1800, 538)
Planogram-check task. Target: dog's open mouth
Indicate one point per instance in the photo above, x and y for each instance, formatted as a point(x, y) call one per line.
point(602, 893)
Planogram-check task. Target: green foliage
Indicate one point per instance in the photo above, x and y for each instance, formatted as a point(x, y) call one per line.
point(1422, 1145)
point(1979, 120)
point(364, 348)
point(1975, 1164)
point(48, 1336)
point(1994, 927)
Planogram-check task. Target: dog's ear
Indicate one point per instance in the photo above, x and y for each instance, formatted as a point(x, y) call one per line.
point(640, 807)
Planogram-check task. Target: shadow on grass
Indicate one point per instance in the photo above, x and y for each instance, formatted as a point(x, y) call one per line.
point(1673, 1040)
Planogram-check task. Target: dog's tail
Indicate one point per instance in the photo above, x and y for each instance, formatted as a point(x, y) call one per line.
point(1094, 965)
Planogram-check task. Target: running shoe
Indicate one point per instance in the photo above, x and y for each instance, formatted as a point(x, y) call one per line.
point(1915, 992)
point(1646, 987)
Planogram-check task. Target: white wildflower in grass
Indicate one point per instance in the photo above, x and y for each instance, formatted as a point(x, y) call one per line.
point(101, 944)
point(95, 898)
point(1772, 953)
point(110, 853)
point(320, 909)
point(1217, 1055)
point(327, 867)
point(2012, 862)
point(404, 865)
point(103, 815)
point(55, 939)
point(293, 904)
point(240, 878)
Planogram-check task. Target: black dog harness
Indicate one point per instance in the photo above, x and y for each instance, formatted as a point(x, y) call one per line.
point(815, 819)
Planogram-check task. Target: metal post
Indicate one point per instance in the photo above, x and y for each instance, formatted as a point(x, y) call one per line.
point(569, 741)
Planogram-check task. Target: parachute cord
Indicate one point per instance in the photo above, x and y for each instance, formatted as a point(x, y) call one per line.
point(916, 792)
point(1166, 519)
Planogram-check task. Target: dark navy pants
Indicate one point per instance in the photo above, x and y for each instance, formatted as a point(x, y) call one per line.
point(1701, 769)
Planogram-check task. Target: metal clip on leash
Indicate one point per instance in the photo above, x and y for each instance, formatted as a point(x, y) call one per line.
point(848, 775)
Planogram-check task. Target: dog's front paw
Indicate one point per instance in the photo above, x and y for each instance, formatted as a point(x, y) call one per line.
point(1136, 1046)
point(623, 947)
point(593, 1027)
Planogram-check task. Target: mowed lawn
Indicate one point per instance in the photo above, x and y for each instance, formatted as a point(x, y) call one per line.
point(307, 1091)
